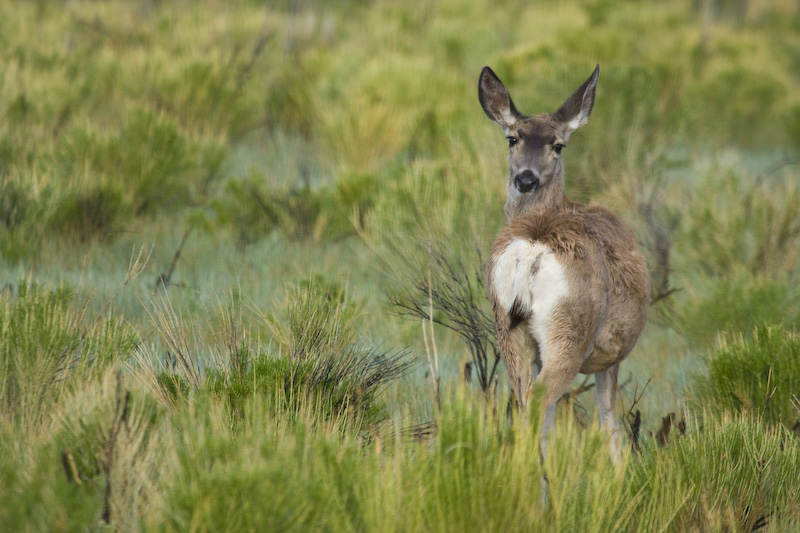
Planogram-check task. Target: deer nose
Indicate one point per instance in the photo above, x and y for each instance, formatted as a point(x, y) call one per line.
point(526, 181)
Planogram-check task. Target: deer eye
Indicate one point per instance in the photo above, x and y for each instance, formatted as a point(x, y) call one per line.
point(511, 141)
point(558, 147)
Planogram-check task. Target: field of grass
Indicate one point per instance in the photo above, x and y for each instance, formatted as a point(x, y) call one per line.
point(233, 235)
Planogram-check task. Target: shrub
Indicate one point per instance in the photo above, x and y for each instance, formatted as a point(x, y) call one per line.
point(325, 367)
point(734, 474)
point(46, 348)
point(729, 225)
point(253, 210)
point(341, 387)
point(736, 304)
point(317, 369)
point(748, 107)
point(152, 162)
point(14, 203)
point(759, 376)
point(97, 212)
point(262, 480)
point(20, 233)
point(37, 495)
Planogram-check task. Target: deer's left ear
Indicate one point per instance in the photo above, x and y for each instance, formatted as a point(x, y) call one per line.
point(575, 112)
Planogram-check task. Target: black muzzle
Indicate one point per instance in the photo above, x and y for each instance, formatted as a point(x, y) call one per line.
point(526, 181)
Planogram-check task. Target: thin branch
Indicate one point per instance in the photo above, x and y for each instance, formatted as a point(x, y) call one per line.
point(136, 266)
point(774, 169)
point(120, 420)
point(164, 279)
point(634, 419)
point(663, 294)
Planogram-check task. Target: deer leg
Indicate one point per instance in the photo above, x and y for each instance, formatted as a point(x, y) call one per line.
point(557, 374)
point(517, 350)
point(606, 384)
point(521, 369)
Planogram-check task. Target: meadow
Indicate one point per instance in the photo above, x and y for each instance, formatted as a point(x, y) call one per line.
point(242, 250)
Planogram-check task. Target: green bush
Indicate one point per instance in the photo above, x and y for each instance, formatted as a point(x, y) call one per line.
point(19, 211)
point(317, 368)
point(46, 348)
point(321, 367)
point(341, 387)
point(736, 305)
point(759, 376)
point(37, 493)
point(290, 480)
point(98, 212)
point(14, 203)
point(733, 474)
point(152, 162)
point(739, 220)
point(253, 209)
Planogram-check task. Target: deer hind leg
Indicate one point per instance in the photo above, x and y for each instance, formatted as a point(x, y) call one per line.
point(561, 362)
point(606, 384)
point(518, 351)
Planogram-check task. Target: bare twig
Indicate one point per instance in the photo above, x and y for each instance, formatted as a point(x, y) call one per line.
point(169, 324)
point(120, 420)
point(774, 169)
point(662, 295)
point(165, 277)
point(634, 418)
point(660, 249)
point(68, 462)
point(433, 362)
point(453, 288)
point(574, 393)
point(136, 266)
point(769, 393)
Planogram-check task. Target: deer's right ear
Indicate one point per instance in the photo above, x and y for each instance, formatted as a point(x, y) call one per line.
point(495, 100)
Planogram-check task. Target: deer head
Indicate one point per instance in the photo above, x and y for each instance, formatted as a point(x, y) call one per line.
point(535, 143)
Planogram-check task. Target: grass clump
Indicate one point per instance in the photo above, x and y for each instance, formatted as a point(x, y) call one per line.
point(736, 304)
point(253, 209)
point(156, 164)
point(735, 249)
point(316, 365)
point(759, 376)
point(61, 393)
point(341, 386)
point(274, 477)
point(325, 365)
point(731, 474)
point(36, 494)
point(46, 348)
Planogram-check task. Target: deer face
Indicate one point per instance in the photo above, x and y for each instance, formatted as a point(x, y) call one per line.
point(535, 171)
point(535, 145)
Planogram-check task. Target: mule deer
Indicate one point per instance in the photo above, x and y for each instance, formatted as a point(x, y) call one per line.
point(568, 286)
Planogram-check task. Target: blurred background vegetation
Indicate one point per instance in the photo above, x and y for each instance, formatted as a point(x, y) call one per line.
point(211, 213)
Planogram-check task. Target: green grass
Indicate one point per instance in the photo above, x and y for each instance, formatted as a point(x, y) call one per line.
point(310, 156)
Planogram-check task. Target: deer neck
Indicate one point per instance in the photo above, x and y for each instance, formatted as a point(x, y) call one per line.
point(549, 197)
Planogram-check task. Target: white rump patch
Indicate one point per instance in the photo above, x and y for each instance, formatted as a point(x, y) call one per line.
point(537, 293)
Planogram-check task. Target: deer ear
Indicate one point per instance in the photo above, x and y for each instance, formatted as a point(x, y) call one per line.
point(495, 100)
point(575, 112)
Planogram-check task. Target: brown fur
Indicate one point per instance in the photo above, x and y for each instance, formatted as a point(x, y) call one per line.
point(596, 324)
